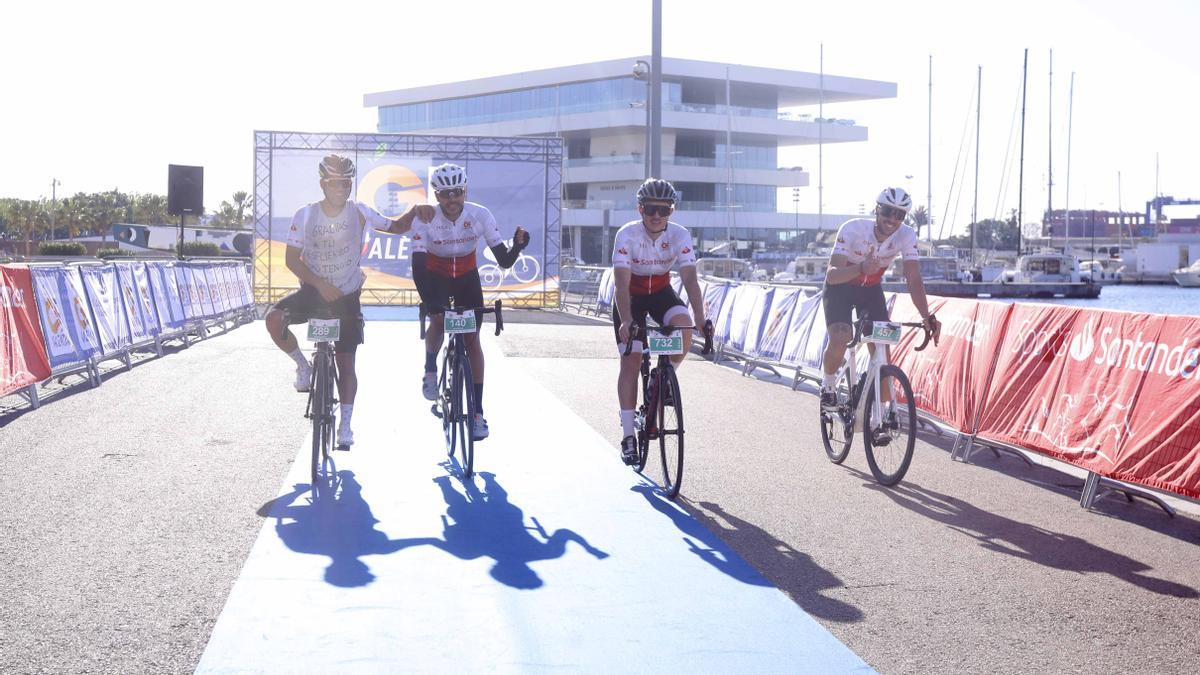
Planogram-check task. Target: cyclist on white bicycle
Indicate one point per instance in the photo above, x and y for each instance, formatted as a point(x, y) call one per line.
point(445, 265)
point(324, 250)
point(644, 251)
point(865, 248)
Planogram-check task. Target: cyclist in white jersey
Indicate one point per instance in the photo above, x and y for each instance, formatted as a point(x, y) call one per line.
point(444, 264)
point(865, 248)
point(324, 250)
point(644, 251)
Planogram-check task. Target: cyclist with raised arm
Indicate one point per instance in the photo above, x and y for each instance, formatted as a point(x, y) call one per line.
point(324, 250)
point(444, 264)
point(865, 248)
point(644, 251)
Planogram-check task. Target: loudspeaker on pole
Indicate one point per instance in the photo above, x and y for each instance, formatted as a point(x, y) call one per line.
point(185, 190)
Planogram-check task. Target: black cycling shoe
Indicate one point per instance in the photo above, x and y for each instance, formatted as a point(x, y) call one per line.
point(829, 401)
point(629, 450)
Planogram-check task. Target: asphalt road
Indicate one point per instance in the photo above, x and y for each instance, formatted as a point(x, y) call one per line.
point(131, 508)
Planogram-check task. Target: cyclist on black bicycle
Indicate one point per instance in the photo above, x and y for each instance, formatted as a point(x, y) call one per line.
point(324, 250)
point(643, 253)
point(444, 265)
point(864, 250)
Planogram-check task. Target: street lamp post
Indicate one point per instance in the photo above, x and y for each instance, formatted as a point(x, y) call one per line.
point(641, 71)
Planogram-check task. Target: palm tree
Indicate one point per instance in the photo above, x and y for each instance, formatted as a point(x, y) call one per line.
point(242, 202)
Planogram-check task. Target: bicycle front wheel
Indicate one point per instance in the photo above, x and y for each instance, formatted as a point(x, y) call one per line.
point(670, 431)
point(465, 421)
point(317, 410)
point(445, 402)
point(837, 427)
point(891, 435)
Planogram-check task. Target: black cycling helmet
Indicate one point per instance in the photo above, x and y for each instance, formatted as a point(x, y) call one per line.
point(656, 189)
point(336, 167)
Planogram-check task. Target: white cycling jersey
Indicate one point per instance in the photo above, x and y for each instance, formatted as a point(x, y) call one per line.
point(856, 240)
point(451, 244)
point(333, 247)
point(650, 259)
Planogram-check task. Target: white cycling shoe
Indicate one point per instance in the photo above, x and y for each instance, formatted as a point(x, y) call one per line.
point(429, 386)
point(480, 428)
point(303, 378)
point(345, 438)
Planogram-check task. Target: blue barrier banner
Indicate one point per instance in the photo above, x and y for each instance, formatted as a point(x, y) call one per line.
point(756, 319)
point(721, 322)
point(745, 300)
point(775, 326)
point(205, 282)
point(222, 275)
point(141, 284)
point(247, 290)
point(66, 319)
point(166, 294)
point(187, 291)
point(607, 290)
point(714, 297)
point(137, 324)
point(214, 289)
point(103, 294)
point(799, 328)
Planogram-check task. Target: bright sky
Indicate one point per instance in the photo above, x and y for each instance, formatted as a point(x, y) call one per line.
point(105, 95)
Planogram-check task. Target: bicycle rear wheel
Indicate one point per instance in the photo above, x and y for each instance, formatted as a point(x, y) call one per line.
point(837, 428)
point(643, 433)
point(890, 443)
point(670, 431)
point(465, 421)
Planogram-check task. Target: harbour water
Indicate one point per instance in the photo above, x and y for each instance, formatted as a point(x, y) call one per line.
point(1149, 299)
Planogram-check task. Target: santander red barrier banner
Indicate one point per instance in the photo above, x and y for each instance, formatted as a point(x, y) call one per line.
point(950, 380)
point(23, 359)
point(1113, 392)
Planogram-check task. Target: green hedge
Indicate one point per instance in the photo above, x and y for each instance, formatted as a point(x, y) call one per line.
point(107, 253)
point(61, 248)
point(200, 249)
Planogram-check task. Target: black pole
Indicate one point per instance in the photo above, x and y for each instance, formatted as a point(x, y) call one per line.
point(655, 101)
point(181, 217)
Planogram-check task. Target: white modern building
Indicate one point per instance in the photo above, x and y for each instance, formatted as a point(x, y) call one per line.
point(722, 128)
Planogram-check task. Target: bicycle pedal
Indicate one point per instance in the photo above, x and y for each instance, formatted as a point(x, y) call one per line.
point(434, 409)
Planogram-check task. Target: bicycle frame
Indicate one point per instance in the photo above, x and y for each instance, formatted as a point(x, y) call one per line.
point(876, 361)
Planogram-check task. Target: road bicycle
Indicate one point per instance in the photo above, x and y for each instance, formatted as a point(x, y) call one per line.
point(456, 404)
point(324, 329)
point(889, 425)
point(660, 416)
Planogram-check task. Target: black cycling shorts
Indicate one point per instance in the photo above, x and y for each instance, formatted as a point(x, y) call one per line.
point(300, 306)
point(436, 290)
point(838, 300)
point(657, 305)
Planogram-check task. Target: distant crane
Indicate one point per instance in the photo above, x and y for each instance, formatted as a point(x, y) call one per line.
point(1159, 202)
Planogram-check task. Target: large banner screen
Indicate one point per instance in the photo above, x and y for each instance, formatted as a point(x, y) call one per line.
point(517, 179)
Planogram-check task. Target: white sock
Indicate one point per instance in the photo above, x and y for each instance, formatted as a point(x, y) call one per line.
point(827, 380)
point(347, 411)
point(626, 423)
point(298, 357)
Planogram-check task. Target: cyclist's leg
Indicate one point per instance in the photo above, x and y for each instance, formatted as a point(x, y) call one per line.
point(468, 292)
point(349, 310)
point(667, 308)
point(837, 303)
point(298, 306)
point(437, 296)
point(873, 305)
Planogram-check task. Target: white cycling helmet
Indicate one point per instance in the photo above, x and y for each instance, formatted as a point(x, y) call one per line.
point(448, 177)
point(657, 189)
point(336, 167)
point(896, 198)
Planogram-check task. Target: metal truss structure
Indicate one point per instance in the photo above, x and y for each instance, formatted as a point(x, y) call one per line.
point(546, 150)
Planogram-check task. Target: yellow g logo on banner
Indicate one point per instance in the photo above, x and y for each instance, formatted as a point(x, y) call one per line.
point(391, 188)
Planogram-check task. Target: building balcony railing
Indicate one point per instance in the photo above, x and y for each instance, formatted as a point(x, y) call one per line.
point(677, 160)
point(683, 205)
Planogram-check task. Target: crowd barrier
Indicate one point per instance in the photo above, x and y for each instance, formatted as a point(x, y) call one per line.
point(1114, 393)
point(59, 319)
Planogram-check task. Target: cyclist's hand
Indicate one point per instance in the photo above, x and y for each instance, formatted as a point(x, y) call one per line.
point(623, 331)
point(329, 292)
point(935, 328)
point(425, 212)
point(871, 265)
point(520, 239)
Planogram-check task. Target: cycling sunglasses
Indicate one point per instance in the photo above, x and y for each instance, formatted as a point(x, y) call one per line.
point(452, 193)
point(891, 212)
point(654, 210)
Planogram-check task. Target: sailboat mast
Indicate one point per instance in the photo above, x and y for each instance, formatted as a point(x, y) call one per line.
point(1050, 155)
point(821, 142)
point(1120, 215)
point(929, 163)
point(975, 200)
point(1067, 204)
point(1021, 171)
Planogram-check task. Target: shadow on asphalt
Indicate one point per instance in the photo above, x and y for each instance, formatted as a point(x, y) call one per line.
point(792, 571)
point(1022, 540)
point(713, 535)
point(339, 526)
